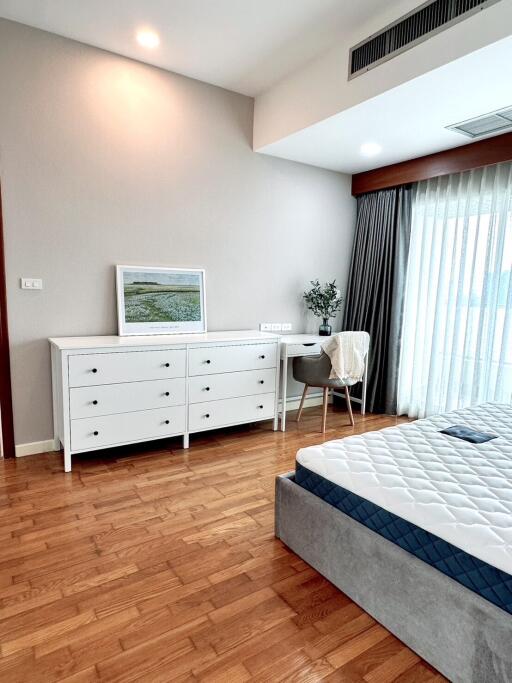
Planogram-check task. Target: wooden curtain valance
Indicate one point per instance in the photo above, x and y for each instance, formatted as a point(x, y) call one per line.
point(476, 154)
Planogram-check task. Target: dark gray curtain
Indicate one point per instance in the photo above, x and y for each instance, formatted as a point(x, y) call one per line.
point(374, 301)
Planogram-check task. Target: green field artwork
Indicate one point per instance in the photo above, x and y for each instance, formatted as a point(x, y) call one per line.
point(162, 297)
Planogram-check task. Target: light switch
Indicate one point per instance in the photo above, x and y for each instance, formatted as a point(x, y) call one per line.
point(31, 283)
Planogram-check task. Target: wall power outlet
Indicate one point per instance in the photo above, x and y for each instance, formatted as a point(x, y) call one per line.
point(275, 327)
point(31, 283)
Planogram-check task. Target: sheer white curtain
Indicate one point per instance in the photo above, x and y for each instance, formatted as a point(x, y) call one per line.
point(457, 325)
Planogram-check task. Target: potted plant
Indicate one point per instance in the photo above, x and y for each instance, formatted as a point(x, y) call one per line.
point(324, 301)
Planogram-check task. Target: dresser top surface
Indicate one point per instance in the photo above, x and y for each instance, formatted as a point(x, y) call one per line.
point(134, 341)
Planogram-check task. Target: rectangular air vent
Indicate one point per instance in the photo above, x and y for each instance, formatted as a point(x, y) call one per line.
point(494, 122)
point(422, 23)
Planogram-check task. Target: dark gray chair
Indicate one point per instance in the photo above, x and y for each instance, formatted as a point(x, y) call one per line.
point(314, 371)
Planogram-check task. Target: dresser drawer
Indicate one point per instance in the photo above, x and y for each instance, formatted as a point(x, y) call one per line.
point(213, 414)
point(217, 359)
point(109, 430)
point(230, 385)
point(122, 398)
point(127, 366)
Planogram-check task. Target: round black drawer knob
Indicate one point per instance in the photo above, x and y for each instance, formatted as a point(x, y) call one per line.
point(262, 381)
point(207, 415)
point(167, 422)
point(94, 370)
point(262, 357)
point(167, 365)
point(95, 433)
point(260, 407)
point(207, 388)
point(95, 403)
point(208, 362)
point(167, 393)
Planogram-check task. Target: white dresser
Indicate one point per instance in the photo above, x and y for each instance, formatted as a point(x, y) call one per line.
point(109, 391)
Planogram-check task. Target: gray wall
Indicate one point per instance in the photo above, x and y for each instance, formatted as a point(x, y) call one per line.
point(104, 160)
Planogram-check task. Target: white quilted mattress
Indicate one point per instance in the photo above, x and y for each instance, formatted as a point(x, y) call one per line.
point(459, 491)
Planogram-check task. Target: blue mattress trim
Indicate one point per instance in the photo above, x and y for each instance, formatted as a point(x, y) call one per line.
point(492, 584)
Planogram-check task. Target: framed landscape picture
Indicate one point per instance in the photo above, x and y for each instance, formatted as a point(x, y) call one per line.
point(160, 300)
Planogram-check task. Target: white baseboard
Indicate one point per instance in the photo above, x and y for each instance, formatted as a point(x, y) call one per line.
point(292, 402)
point(37, 447)
point(34, 448)
point(353, 399)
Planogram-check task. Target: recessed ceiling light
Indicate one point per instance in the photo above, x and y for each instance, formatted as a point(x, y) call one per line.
point(148, 38)
point(370, 149)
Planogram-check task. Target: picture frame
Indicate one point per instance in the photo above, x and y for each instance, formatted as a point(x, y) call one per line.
point(158, 300)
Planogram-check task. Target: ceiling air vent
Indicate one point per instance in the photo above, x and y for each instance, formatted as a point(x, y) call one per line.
point(494, 122)
point(413, 28)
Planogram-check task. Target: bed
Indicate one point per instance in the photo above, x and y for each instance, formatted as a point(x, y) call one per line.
point(415, 525)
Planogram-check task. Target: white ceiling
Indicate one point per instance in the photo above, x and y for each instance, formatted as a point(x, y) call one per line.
point(408, 121)
point(242, 45)
point(249, 45)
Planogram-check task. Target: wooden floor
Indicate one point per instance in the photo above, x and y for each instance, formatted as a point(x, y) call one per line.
point(161, 565)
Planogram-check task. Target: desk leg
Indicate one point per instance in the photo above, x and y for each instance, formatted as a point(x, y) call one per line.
point(67, 460)
point(365, 381)
point(277, 385)
point(284, 384)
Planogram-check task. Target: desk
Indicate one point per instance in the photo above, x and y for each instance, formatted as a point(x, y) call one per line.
point(293, 345)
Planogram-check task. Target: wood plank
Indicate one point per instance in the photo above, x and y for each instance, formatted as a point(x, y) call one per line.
point(249, 648)
point(59, 629)
point(154, 624)
point(131, 594)
point(335, 638)
point(356, 646)
point(152, 564)
point(247, 603)
point(89, 633)
point(392, 667)
point(153, 659)
point(266, 659)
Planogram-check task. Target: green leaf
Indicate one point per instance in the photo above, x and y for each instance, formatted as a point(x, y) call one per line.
point(323, 300)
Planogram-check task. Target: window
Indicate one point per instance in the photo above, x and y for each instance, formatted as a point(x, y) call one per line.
point(457, 326)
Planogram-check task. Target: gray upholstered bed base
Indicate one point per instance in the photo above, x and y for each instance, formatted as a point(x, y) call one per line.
point(458, 632)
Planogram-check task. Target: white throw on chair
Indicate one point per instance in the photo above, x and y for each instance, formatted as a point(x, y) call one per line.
point(342, 363)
